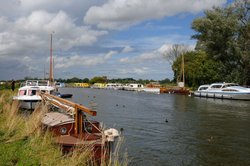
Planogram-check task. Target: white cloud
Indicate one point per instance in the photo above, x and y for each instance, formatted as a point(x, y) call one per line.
point(156, 55)
point(135, 70)
point(119, 14)
point(127, 49)
point(77, 60)
point(141, 58)
point(19, 36)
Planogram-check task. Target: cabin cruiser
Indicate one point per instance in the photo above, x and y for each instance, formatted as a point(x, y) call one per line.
point(28, 93)
point(223, 91)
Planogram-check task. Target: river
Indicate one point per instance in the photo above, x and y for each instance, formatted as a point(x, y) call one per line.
point(171, 130)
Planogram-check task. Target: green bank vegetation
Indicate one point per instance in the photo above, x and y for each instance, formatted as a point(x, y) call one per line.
point(222, 52)
point(23, 142)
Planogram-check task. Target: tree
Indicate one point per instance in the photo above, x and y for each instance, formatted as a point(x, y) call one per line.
point(85, 80)
point(102, 79)
point(223, 33)
point(175, 51)
point(199, 69)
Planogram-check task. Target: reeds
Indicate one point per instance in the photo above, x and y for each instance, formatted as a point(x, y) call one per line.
point(23, 142)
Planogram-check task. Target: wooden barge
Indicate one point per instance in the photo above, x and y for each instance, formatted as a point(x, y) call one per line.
point(72, 129)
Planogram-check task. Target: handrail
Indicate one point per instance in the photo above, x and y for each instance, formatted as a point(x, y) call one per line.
point(69, 103)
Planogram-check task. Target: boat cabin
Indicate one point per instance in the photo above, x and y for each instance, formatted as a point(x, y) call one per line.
point(221, 85)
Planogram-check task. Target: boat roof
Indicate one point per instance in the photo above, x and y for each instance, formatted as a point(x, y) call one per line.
point(55, 118)
point(224, 83)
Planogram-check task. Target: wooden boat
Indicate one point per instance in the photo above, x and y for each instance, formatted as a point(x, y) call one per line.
point(72, 129)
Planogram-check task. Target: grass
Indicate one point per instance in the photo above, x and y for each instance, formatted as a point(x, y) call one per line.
point(23, 142)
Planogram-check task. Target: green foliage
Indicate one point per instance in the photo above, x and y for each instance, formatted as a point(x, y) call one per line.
point(98, 80)
point(165, 81)
point(224, 34)
point(199, 69)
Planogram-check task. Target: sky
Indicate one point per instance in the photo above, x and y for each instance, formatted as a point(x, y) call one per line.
point(113, 38)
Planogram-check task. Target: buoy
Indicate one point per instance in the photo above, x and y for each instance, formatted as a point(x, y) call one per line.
point(166, 121)
point(111, 134)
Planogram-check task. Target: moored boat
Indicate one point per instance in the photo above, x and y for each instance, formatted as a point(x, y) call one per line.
point(223, 91)
point(72, 129)
point(28, 94)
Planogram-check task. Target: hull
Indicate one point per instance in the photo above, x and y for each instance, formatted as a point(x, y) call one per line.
point(152, 90)
point(28, 102)
point(30, 105)
point(223, 95)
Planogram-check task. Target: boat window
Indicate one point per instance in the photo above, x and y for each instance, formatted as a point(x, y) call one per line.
point(22, 92)
point(230, 90)
point(216, 86)
point(203, 88)
point(32, 92)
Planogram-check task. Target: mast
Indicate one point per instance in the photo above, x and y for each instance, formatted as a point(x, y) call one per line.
point(183, 73)
point(51, 62)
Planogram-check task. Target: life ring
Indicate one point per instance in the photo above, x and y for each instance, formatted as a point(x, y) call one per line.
point(111, 134)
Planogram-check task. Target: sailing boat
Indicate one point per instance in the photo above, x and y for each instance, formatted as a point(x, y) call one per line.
point(28, 94)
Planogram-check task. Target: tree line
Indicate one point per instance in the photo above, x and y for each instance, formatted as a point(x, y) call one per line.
point(222, 52)
point(104, 79)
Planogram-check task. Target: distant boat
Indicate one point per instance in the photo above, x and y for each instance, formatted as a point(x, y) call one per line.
point(134, 87)
point(152, 90)
point(28, 94)
point(63, 95)
point(223, 91)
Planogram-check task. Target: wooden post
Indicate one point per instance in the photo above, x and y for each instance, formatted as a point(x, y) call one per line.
point(76, 120)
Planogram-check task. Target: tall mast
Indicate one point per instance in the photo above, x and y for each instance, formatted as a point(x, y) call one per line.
point(51, 62)
point(183, 73)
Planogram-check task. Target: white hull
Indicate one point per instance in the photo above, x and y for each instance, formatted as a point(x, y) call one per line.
point(152, 90)
point(223, 95)
point(30, 105)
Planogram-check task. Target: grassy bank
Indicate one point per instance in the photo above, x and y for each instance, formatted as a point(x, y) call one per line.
point(22, 141)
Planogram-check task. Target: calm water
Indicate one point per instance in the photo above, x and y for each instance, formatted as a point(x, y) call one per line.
point(198, 132)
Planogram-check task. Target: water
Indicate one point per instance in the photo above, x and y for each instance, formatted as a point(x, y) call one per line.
point(197, 132)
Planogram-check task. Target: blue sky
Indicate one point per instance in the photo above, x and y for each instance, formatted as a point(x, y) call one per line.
point(114, 38)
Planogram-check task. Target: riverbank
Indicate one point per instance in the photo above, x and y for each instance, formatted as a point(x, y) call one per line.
point(23, 142)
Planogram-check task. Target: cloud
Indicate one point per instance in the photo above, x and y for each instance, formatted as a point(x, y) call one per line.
point(77, 60)
point(127, 49)
point(155, 55)
point(119, 14)
point(141, 58)
point(136, 70)
point(31, 34)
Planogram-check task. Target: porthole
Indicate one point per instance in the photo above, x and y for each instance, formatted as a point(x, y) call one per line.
point(89, 128)
point(63, 130)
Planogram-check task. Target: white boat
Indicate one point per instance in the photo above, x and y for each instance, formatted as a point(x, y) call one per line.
point(223, 91)
point(134, 87)
point(28, 94)
point(115, 86)
point(152, 90)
